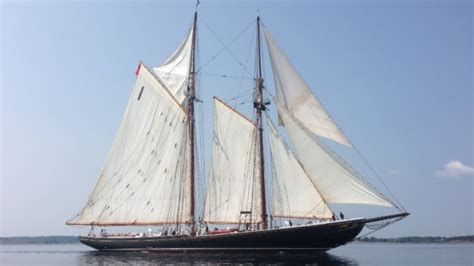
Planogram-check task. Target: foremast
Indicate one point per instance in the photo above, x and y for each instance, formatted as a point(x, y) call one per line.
point(259, 105)
point(192, 122)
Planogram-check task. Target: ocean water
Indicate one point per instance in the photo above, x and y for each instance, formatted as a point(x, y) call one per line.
point(352, 254)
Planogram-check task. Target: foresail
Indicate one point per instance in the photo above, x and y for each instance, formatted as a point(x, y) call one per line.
point(146, 178)
point(336, 181)
point(234, 181)
point(174, 72)
point(295, 95)
point(294, 194)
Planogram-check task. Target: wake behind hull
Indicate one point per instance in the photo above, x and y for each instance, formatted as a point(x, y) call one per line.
point(320, 237)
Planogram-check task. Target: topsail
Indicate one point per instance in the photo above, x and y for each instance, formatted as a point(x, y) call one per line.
point(295, 95)
point(174, 72)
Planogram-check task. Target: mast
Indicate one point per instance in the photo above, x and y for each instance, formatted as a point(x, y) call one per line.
point(259, 105)
point(192, 128)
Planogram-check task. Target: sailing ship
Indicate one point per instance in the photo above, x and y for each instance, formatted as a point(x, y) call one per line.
point(149, 178)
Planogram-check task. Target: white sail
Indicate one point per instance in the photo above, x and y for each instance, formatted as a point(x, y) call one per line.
point(174, 72)
point(295, 95)
point(234, 184)
point(335, 180)
point(146, 178)
point(294, 194)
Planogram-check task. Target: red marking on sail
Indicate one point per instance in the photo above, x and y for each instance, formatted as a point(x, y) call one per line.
point(138, 69)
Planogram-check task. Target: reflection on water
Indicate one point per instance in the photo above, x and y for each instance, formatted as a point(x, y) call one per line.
point(148, 258)
point(352, 254)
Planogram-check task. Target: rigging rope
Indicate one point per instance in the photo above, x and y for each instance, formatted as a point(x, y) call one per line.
point(375, 226)
point(245, 68)
point(247, 94)
point(226, 76)
point(200, 177)
point(225, 46)
point(398, 205)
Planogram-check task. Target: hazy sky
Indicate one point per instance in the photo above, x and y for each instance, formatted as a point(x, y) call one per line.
point(397, 76)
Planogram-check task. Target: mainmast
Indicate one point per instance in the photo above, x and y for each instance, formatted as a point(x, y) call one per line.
point(259, 105)
point(192, 126)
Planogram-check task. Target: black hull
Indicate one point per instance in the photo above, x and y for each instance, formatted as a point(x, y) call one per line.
point(313, 237)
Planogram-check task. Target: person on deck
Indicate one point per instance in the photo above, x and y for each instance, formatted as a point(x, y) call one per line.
point(91, 232)
point(341, 215)
point(103, 233)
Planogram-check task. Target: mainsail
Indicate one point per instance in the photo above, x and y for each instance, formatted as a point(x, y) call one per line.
point(146, 177)
point(336, 181)
point(294, 193)
point(174, 72)
point(234, 182)
point(295, 95)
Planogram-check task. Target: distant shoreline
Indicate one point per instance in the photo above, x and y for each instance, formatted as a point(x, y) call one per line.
point(39, 240)
point(419, 239)
point(409, 239)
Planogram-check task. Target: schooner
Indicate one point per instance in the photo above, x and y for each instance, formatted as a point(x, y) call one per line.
point(150, 173)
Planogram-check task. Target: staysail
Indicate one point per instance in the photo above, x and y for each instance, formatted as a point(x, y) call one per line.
point(234, 182)
point(294, 193)
point(295, 95)
point(336, 181)
point(146, 178)
point(174, 72)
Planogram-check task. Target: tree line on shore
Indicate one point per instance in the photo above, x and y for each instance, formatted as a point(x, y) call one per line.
point(420, 239)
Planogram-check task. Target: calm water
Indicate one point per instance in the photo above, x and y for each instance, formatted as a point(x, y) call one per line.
point(353, 254)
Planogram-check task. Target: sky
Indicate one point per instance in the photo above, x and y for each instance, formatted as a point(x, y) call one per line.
point(397, 76)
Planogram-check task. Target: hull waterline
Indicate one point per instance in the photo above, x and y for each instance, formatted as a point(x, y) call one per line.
point(314, 237)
